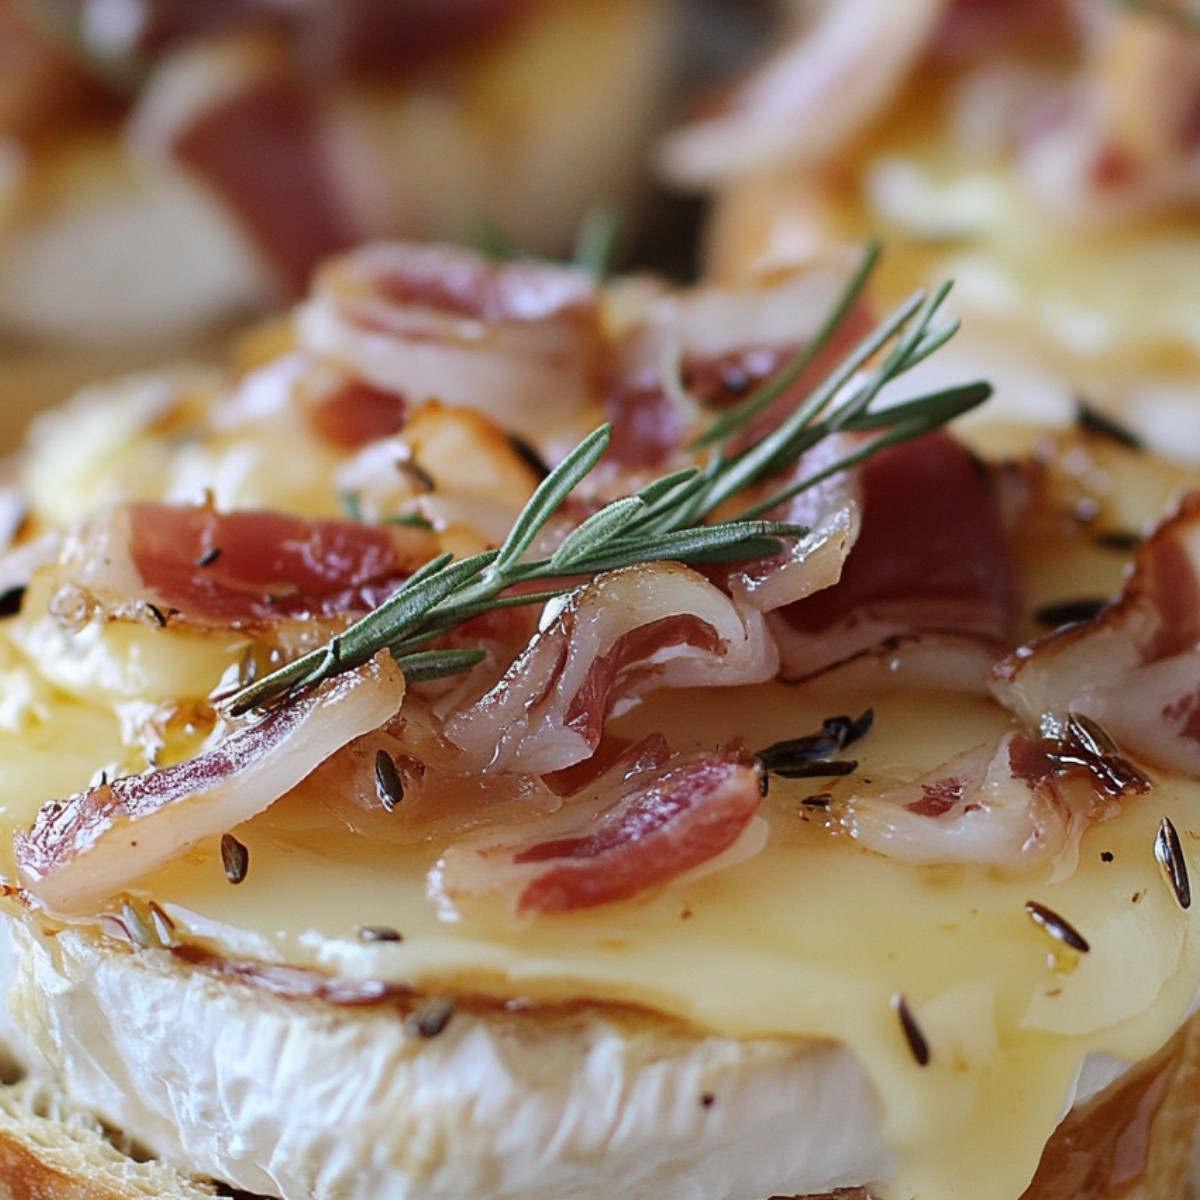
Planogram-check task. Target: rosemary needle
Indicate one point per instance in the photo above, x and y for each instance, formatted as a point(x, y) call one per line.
point(1186, 17)
point(666, 521)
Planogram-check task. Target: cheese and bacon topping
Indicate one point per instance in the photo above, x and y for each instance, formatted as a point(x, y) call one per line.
point(736, 712)
point(1043, 155)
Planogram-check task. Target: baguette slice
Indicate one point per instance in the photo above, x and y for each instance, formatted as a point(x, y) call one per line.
point(49, 1147)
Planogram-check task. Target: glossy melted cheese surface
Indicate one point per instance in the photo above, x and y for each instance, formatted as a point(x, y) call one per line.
point(812, 938)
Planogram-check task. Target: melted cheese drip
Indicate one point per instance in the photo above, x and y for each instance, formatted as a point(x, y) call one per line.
point(811, 938)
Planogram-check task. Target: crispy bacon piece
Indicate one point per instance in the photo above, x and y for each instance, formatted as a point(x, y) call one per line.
point(237, 568)
point(722, 341)
point(657, 625)
point(826, 81)
point(519, 341)
point(641, 825)
point(1134, 668)
point(241, 117)
point(932, 565)
point(1020, 801)
point(83, 850)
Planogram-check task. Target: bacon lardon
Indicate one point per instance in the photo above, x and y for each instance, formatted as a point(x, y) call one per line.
point(1021, 800)
point(643, 823)
point(969, 809)
point(235, 569)
point(931, 580)
point(252, 99)
point(1135, 668)
point(355, 414)
point(1086, 699)
point(657, 625)
point(83, 850)
point(234, 111)
point(720, 343)
point(519, 341)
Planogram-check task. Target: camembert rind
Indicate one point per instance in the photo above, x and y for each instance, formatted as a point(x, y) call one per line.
point(297, 1098)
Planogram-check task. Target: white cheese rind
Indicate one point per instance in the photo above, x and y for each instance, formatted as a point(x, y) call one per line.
point(302, 1099)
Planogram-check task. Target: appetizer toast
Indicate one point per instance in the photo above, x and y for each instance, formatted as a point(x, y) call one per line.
point(521, 734)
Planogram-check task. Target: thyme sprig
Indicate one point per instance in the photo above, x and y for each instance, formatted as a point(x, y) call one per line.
point(666, 521)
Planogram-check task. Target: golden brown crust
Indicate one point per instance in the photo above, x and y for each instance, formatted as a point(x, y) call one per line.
point(26, 1176)
point(49, 1151)
point(1133, 1141)
point(839, 1194)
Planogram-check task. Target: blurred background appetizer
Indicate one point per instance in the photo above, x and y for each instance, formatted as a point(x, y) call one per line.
point(1044, 154)
point(168, 167)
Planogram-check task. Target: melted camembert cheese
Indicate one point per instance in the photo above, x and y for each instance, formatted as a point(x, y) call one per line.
point(813, 937)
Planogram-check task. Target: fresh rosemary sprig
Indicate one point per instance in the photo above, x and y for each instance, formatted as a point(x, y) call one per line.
point(667, 521)
point(596, 242)
point(1185, 18)
point(594, 250)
